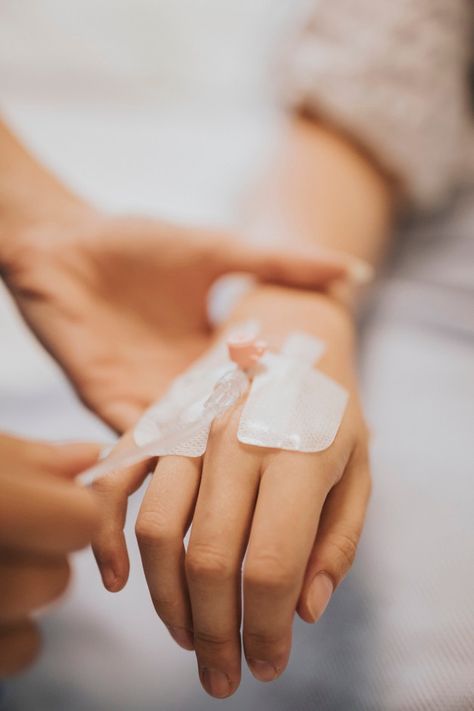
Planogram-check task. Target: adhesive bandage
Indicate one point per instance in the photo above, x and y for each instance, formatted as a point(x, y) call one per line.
point(185, 400)
point(290, 405)
point(184, 403)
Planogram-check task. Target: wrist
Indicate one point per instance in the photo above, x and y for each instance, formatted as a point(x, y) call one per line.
point(281, 310)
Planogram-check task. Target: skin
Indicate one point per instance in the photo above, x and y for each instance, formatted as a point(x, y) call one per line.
point(131, 291)
point(284, 524)
point(120, 303)
point(44, 517)
point(297, 518)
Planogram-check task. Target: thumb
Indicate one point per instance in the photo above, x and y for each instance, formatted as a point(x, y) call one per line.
point(70, 459)
point(39, 509)
point(299, 266)
point(25, 457)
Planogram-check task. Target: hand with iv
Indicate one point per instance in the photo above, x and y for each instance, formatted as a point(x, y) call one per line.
point(44, 516)
point(296, 517)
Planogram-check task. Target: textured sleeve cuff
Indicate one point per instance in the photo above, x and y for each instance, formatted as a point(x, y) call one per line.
point(394, 76)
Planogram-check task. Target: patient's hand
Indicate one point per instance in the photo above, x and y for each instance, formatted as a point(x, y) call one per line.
point(121, 303)
point(295, 517)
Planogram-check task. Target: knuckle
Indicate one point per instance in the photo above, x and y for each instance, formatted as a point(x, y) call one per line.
point(344, 545)
point(207, 563)
point(267, 572)
point(212, 640)
point(152, 530)
point(105, 486)
point(331, 474)
point(167, 609)
point(263, 639)
point(223, 430)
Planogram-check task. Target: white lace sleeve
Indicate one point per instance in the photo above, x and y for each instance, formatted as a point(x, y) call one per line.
point(393, 74)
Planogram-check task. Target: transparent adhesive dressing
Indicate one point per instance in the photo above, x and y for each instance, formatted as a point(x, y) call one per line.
point(229, 388)
point(290, 404)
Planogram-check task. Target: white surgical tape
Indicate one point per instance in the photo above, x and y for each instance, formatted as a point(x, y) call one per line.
point(184, 402)
point(291, 405)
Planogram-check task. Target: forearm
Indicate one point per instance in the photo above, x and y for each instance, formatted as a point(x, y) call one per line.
point(29, 193)
point(322, 189)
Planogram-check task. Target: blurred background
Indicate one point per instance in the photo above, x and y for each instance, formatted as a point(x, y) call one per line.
point(151, 106)
point(168, 108)
point(140, 68)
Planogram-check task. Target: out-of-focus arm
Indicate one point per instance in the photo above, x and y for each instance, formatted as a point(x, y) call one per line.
point(29, 193)
point(322, 189)
point(393, 77)
point(379, 97)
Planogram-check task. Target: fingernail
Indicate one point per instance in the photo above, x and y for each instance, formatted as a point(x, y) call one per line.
point(263, 671)
point(360, 272)
point(216, 682)
point(183, 637)
point(110, 578)
point(319, 595)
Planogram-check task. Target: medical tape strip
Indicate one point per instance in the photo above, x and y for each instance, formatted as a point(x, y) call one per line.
point(185, 400)
point(290, 404)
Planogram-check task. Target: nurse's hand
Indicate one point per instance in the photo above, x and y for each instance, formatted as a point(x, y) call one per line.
point(44, 516)
point(120, 303)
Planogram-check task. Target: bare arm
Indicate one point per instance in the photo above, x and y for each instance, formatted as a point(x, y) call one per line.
point(29, 193)
point(323, 189)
